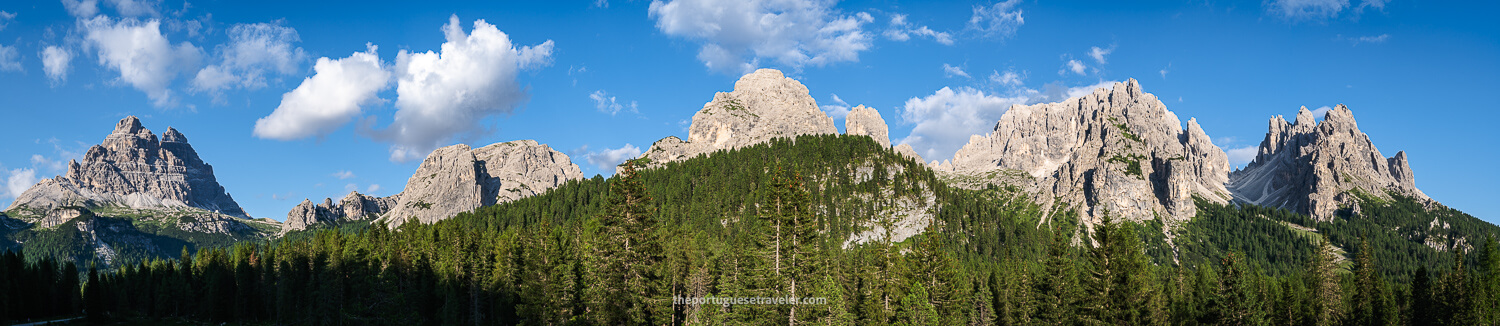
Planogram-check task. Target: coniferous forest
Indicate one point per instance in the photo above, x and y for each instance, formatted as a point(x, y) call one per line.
point(781, 220)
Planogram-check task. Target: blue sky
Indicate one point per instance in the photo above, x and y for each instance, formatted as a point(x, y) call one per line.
point(309, 99)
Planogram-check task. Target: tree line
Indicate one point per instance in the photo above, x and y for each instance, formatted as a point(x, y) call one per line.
point(774, 220)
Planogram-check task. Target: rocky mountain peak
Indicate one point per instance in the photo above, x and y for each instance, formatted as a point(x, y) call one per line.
point(1116, 151)
point(764, 105)
point(131, 168)
point(173, 136)
point(458, 178)
point(1312, 167)
point(129, 125)
point(863, 121)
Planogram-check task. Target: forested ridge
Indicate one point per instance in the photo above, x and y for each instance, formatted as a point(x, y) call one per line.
point(773, 220)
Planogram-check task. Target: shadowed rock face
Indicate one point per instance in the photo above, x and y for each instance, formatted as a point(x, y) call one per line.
point(764, 105)
point(1117, 152)
point(1310, 167)
point(132, 168)
point(457, 179)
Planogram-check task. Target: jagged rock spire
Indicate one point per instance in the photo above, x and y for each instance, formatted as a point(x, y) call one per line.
point(132, 168)
point(1310, 167)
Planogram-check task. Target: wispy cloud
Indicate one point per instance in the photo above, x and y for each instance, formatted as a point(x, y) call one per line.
point(837, 109)
point(1076, 67)
point(607, 159)
point(998, 20)
point(344, 175)
point(1238, 157)
point(951, 71)
point(1100, 54)
point(609, 104)
point(901, 30)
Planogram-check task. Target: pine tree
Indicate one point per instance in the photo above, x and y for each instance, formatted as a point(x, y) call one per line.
point(1327, 296)
point(631, 290)
point(1421, 312)
point(1056, 291)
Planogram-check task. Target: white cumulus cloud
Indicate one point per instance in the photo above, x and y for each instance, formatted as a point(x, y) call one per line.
point(999, 20)
point(945, 120)
point(342, 175)
point(737, 34)
point(330, 98)
point(55, 62)
point(609, 158)
point(17, 182)
point(609, 104)
point(142, 56)
point(440, 95)
point(443, 95)
point(253, 51)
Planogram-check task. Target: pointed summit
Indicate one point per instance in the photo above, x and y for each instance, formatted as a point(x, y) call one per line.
point(1115, 151)
point(765, 104)
point(1312, 167)
point(173, 136)
point(128, 125)
point(131, 168)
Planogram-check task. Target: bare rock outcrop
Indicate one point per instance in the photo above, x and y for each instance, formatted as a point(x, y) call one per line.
point(905, 149)
point(133, 169)
point(1312, 167)
point(353, 207)
point(764, 105)
point(456, 179)
point(1117, 151)
point(863, 121)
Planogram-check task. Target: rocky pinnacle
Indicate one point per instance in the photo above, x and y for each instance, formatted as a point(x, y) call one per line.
point(132, 168)
point(1312, 167)
point(1115, 152)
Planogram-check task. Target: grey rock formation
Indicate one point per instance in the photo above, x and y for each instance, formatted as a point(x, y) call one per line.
point(456, 179)
point(133, 169)
point(1116, 151)
point(764, 105)
point(1311, 167)
point(863, 121)
point(905, 149)
point(354, 207)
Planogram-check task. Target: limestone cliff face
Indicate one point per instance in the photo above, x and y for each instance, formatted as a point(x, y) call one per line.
point(456, 179)
point(1311, 167)
point(133, 169)
point(863, 121)
point(354, 207)
point(1117, 151)
point(764, 105)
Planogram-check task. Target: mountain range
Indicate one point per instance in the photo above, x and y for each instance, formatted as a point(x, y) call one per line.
point(1116, 153)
